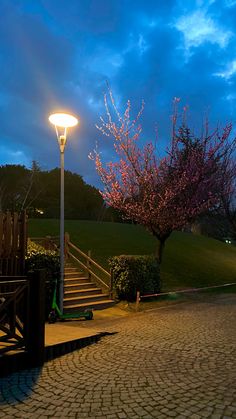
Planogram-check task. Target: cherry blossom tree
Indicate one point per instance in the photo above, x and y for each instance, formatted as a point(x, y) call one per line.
point(161, 193)
point(228, 190)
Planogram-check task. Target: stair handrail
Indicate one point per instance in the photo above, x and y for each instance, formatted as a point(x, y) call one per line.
point(89, 263)
point(89, 260)
point(90, 271)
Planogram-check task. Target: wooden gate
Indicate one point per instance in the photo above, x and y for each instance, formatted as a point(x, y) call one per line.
point(22, 321)
point(13, 243)
point(14, 313)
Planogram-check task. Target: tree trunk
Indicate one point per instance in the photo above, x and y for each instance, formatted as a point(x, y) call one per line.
point(160, 249)
point(161, 244)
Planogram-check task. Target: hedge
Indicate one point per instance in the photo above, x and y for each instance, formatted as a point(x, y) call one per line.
point(135, 273)
point(38, 257)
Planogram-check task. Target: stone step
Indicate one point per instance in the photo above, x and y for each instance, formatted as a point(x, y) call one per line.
point(69, 265)
point(81, 293)
point(78, 285)
point(79, 280)
point(73, 274)
point(87, 299)
point(95, 305)
point(72, 271)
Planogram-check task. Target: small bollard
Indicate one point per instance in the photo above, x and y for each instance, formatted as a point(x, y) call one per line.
point(137, 301)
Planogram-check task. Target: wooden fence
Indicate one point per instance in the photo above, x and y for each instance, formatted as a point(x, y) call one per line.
point(13, 243)
point(14, 313)
point(22, 321)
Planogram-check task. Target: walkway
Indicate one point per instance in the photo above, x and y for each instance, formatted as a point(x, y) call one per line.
point(173, 362)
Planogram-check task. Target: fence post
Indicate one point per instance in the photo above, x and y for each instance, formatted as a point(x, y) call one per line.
point(89, 264)
point(22, 241)
point(111, 284)
point(66, 245)
point(36, 338)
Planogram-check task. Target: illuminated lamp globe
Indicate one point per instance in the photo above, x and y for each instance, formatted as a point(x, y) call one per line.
point(63, 120)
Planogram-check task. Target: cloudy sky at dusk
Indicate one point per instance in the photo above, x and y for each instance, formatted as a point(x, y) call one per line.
point(58, 55)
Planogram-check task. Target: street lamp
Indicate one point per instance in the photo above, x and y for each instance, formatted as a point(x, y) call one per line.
point(62, 121)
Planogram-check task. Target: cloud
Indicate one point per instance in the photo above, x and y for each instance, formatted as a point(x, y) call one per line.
point(198, 28)
point(59, 54)
point(229, 71)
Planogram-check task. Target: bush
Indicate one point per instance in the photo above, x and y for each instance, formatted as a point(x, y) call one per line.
point(38, 257)
point(135, 273)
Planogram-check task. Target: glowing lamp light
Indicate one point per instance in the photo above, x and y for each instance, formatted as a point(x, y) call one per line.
point(63, 120)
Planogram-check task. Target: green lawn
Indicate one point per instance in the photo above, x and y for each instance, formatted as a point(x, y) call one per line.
point(189, 260)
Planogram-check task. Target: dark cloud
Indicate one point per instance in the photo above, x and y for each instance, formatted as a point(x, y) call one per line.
point(59, 55)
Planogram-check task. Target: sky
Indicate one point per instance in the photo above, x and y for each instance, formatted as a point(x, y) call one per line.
point(59, 55)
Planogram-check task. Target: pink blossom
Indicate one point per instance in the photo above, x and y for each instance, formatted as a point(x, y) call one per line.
point(161, 194)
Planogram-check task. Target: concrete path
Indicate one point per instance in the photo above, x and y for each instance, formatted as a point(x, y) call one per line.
point(179, 362)
point(64, 332)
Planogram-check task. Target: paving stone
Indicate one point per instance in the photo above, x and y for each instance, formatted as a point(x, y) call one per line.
point(174, 362)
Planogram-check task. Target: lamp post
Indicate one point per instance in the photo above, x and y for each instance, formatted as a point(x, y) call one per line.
point(62, 121)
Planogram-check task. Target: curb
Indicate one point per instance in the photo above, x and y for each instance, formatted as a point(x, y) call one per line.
point(59, 349)
point(16, 362)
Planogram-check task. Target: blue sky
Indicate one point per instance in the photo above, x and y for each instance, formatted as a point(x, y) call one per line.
point(58, 55)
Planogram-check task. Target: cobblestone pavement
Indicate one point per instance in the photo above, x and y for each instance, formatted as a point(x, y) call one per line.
point(175, 362)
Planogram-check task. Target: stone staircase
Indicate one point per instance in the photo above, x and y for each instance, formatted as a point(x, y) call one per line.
point(82, 293)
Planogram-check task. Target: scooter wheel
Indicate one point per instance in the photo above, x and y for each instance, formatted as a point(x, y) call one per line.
point(90, 315)
point(52, 317)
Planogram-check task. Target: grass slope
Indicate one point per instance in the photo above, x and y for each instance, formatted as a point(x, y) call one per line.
point(189, 261)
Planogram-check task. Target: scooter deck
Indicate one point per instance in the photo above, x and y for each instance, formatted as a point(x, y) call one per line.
point(87, 315)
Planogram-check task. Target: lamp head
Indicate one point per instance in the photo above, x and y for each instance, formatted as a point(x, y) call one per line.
point(63, 120)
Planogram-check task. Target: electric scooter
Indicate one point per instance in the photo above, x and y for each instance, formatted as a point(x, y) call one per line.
point(56, 314)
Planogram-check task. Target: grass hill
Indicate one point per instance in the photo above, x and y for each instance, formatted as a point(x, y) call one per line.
point(189, 260)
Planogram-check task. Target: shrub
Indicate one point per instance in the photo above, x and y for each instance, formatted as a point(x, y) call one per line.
point(38, 257)
point(135, 273)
